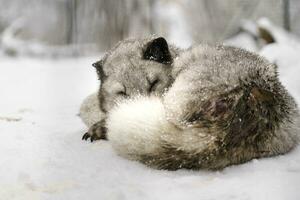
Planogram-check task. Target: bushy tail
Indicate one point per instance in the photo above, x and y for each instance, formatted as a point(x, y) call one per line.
point(139, 130)
point(136, 126)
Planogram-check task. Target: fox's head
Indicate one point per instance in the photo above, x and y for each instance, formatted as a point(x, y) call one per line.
point(135, 67)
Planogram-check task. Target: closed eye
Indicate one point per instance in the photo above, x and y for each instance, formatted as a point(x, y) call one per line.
point(121, 93)
point(153, 85)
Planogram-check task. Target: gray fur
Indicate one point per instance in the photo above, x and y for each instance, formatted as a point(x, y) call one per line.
point(235, 96)
point(229, 93)
point(124, 73)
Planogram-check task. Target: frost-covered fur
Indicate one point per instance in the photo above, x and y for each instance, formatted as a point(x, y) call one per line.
point(146, 130)
point(132, 67)
point(140, 131)
point(225, 107)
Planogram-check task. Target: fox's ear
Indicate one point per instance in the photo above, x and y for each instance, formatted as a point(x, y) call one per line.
point(158, 50)
point(99, 67)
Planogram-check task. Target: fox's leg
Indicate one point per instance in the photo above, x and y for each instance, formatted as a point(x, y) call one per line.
point(97, 131)
point(90, 112)
point(93, 117)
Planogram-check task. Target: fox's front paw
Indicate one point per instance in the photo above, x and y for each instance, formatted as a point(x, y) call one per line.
point(96, 132)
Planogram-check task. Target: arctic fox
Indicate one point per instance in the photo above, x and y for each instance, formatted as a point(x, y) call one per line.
point(226, 106)
point(133, 66)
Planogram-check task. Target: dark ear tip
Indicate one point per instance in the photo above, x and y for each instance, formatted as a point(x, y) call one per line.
point(162, 42)
point(99, 68)
point(158, 50)
point(97, 64)
point(160, 39)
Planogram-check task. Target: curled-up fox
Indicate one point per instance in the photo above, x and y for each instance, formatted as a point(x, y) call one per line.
point(207, 108)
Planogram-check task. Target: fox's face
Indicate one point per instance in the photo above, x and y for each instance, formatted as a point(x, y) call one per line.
point(135, 67)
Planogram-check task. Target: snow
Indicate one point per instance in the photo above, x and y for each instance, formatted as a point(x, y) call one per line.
point(172, 14)
point(42, 155)
point(13, 45)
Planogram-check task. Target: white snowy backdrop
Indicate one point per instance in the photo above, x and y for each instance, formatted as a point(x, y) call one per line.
point(75, 27)
point(43, 82)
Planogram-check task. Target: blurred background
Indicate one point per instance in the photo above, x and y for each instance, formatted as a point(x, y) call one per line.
point(47, 48)
point(76, 28)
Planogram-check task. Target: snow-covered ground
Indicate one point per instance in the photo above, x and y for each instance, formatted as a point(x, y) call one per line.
point(42, 155)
